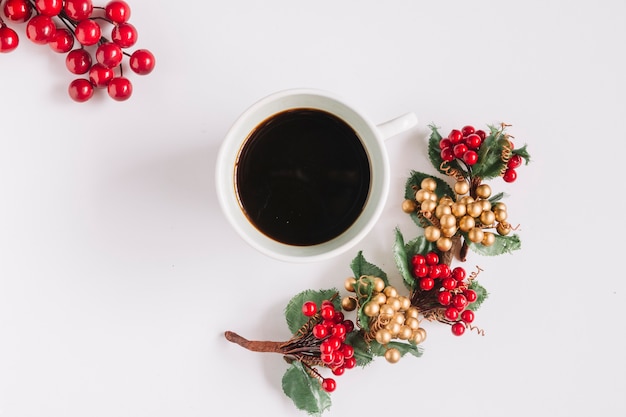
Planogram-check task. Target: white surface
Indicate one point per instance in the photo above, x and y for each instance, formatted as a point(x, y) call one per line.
point(119, 274)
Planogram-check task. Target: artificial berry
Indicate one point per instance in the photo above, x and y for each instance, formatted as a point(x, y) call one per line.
point(8, 39)
point(17, 10)
point(309, 308)
point(459, 301)
point(447, 154)
point(78, 61)
point(124, 34)
point(510, 175)
point(459, 150)
point(515, 161)
point(451, 313)
point(329, 384)
point(481, 133)
point(320, 331)
point(432, 258)
point(120, 88)
point(455, 136)
point(444, 298)
point(420, 271)
point(418, 259)
point(117, 11)
point(40, 29)
point(350, 362)
point(339, 330)
point(62, 41)
point(100, 76)
point(80, 90)
point(470, 157)
point(87, 32)
point(470, 295)
point(142, 61)
point(49, 7)
point(467, 130)
point(78, 9)
point(327, 312)
point(339, 370)
point(427, 284)
point(458, 329)
point(448, 283)
point(458, 273)
point(109, 54)
point(467, 316)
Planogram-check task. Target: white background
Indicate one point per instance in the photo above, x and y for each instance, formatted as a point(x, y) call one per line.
point(119, 273)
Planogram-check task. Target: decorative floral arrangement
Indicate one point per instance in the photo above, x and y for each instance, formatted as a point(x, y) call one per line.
point(387, 321)
point(62, 23)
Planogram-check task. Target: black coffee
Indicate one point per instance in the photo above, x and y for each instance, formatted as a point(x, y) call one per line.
point(303, 177)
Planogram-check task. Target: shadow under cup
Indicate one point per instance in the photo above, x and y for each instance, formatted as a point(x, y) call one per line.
point(302, 176)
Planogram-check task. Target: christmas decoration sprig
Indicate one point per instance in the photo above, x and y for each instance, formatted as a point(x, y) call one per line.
point(388, 321)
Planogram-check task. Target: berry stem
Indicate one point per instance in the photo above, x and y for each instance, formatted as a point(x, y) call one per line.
point(254, 345)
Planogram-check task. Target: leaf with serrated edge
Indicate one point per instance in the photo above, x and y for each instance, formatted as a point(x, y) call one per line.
point(481, 295)
point(361, 267)
point(362, 352)
point(293, 311)
point(305, 392)
point(501, 245)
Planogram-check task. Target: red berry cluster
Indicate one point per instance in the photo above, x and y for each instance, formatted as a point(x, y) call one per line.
point(451, 288)
point(61, 23)
point(510, 174)
point(332, 331)
point(462, 144)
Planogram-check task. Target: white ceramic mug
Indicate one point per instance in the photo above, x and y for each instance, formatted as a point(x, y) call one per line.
point(372, 139)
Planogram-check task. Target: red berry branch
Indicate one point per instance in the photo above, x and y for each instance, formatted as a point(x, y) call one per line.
point(61, 24)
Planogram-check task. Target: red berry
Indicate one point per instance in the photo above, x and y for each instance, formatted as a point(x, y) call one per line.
point(447, 154)
point(78, 61)
point(120, 88)
point(78, 9)
point(62, 41)
point(445, 143)
point(339, 370)
point(334, 343)
point(327, 358)
point(510, 175)
point(117, 11)
point(339, 331)
point(467, 316)
point(349, 363)
point(327, 312)
point(349, 325)
point(124, 34)
point(142, 61)
point(49, 7)
point(434, 272)
point(470, 295)
point(347, 350)
point(515, 161)
point(326, 348)
point(80, 90)
point(444, 298)
point(109, 54)
point(319, 331)
point(445, 271)
point(338, 317)
point(459, 301)
point(427, 284)
point(337, 358)
point(451, 313)
point(88, 32)
point(459, 150)
point(470, 157)
point(455, 136)
point(100, 76)
point(420, 271)
point(458, 273)
point(309, 308)
point(40, 29)
point(329, 384)
point(481, 133)
point(17, 10)
point(467, 130)
point(418, 259)
point(448, 283)
point(8, 39)
point(473, 141)
point(458, 329)
point(432, 258)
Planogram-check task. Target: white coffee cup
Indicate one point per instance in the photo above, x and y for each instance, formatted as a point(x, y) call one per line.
point(372, 139)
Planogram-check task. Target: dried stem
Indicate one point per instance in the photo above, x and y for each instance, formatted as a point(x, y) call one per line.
point(255, 345)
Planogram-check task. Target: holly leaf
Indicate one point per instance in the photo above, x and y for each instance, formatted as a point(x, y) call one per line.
point(490, 163)
point(502, 244)
point(481, 294)
point(523, 152)
point(305, 392)
point(361, 267)
point(496, 198)
point(402, 261)
point(293, 311)
point(362, 352)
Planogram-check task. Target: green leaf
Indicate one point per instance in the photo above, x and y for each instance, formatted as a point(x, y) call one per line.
point(293, 311)
point(496, 198)
point(402, 262)
point(502, 244)
point(361, 267)
point(362, 352)
point(490, 163)
point(481, 294)
point(305, 392)
point(523, 152)
point(405, 348)
point(434, 152)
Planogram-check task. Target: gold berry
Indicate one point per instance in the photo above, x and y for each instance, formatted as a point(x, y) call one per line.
point(461, 187)
point(348, 303)
point(409, 206)
point(488, 239)
point(476, 235)
point(349, 284)
point(392, 355)
point(429, 184)
point(432, 233)
point(444, 244)
point(483, 191)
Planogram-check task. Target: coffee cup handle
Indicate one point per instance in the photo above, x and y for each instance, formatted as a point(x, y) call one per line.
point(398, 125)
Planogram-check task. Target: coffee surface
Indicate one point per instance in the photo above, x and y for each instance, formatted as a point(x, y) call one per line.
point(303, 177)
